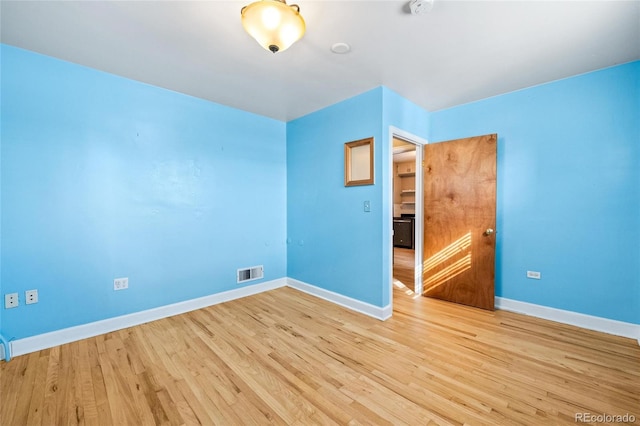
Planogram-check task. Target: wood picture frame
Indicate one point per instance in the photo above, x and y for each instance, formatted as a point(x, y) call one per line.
point(358, 162)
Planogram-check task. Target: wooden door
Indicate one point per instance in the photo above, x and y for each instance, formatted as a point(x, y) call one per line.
point(459, 221)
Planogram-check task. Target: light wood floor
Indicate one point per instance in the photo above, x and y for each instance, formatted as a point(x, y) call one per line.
point(285, 357)
point(404, 266)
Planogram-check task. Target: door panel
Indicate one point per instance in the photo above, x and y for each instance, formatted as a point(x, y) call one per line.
point(459, 221)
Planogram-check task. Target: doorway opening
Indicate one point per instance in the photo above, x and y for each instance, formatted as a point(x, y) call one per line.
point(452, 233)
point(406, 212)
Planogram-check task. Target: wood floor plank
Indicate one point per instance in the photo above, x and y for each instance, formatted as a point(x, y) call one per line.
point(37, 396)
point(404, 267)
point(50, 407)
point(287, 358)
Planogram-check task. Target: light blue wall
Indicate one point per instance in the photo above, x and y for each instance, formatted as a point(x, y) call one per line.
point(104, 177)
point(408, 117)
point(1, 288)
point(568, 189)
point(332, 242)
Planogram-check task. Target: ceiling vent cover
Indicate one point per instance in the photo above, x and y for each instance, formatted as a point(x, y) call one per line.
point(250, 274)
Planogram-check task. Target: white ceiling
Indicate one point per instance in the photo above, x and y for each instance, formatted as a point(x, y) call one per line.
point(460, 52)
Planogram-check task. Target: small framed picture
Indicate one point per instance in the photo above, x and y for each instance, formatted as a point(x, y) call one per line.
point(358, 162)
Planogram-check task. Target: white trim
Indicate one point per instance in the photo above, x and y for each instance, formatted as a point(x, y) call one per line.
point(2, 352)
point(419, 220)
point(344, 301)
point(72, 334)
point(617, 328)
point(84, 331)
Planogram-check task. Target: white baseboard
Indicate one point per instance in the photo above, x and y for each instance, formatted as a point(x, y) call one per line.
point(347, 302)
point(84, 331)
point(72, 334)
point(609, 326)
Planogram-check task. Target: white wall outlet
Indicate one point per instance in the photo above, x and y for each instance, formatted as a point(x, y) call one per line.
point(121, 283)
point(11, 300)
point(30, 297)
point(533, 274)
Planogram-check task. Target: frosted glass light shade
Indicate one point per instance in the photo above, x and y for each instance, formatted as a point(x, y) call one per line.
point(274, 24)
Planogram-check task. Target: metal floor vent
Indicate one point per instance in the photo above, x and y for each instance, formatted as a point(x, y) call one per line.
point(250, 274)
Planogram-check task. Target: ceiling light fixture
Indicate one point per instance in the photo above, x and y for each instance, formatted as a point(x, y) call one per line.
point(274, 24)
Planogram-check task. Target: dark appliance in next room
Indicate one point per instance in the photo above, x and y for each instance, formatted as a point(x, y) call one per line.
point(403, 230)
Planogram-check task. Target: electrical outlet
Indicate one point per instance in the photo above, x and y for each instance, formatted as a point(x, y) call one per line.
point(11, 300)
point(533, 274)
point(367, 206)
point(121, 283)
point(30, 297)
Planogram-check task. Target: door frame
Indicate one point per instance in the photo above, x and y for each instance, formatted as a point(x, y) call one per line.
point(419, 220)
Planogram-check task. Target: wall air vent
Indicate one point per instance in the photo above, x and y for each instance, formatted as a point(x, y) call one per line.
point(250, 274)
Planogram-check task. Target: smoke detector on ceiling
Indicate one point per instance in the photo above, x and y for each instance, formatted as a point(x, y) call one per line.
point(420, 7)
